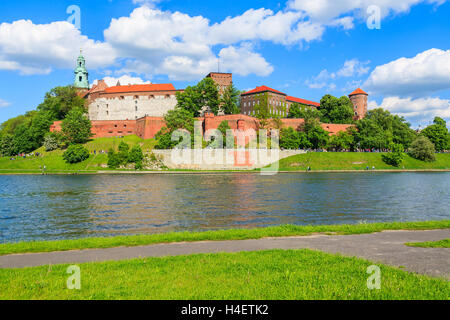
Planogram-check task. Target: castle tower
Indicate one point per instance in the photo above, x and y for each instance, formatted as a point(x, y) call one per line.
point(81, 74)
point(359, 99)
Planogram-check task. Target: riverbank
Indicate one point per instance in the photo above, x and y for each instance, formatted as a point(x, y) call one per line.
point(316, 161)
point(233, 234)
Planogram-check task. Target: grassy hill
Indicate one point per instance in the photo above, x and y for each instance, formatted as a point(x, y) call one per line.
point(357, 161)
point(54, 162)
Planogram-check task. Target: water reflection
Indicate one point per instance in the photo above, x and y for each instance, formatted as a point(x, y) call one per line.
point(64, 207)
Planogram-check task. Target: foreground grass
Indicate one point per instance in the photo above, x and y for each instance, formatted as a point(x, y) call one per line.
point(234, 234)
point(431, 244)
point(55, 163)
point(272, 275)
point(357, 161)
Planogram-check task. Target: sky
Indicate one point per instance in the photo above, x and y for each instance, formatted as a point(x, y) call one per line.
point(397, 51)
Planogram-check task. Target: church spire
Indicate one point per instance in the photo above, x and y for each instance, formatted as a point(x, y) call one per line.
point(81, 73)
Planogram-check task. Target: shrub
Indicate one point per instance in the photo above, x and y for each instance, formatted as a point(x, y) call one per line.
point(422, 149)
point(51, 142)
point(113, 159)
point(76, 153)
point(395, 157)
point(136, 155)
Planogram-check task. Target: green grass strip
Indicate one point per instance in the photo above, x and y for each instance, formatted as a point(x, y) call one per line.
point(234, 234)
point(431, 244)
point(271, 275)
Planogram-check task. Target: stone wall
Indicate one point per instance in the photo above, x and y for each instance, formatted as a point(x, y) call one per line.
point(131, 107)
point(204, 159)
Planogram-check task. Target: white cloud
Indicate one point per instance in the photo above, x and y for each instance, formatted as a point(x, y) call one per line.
point(423, 74)
point(38, 48)
point(178, 45)
point(244, 61)
point(351, 68)
point(124, 80)
point(4, 103)
point(328, 10)
point(420, 111)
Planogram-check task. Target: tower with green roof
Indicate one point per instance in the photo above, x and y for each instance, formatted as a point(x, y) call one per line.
point(81, 74)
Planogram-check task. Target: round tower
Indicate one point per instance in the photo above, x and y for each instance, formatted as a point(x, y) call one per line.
point(81, 74)
point(359, 99)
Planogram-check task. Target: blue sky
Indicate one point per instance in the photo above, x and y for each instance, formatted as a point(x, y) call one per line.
point(306, 48)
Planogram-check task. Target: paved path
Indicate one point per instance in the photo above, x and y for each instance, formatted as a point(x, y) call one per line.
point(385, 247)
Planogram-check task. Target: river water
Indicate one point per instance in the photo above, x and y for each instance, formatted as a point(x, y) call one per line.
point(68, 207)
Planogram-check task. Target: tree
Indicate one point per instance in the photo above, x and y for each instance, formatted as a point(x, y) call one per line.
point(395, 157)
point(179, 119)
point(380, 128)
point(40, 127)
point(60, 100)
point(230, 100)
point(422, 149)
point(291, 139)
point(136, 156)
point(438, 134)
point(123, 153)
point(342, 141)
point(51, 142)
point(75, 153)
point(22, 140)
point(113, 159)
point(336, 110)
point(76, 127)
point(7, 145)
point(204, 94)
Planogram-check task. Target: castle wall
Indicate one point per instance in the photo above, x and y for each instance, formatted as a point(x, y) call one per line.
point(360, 105)
point(130, 107)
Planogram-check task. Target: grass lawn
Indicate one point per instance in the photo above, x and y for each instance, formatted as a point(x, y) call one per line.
point(235, 234)
point(356, 161)
point(55, 163)
point(272, 275)
point(431, 244)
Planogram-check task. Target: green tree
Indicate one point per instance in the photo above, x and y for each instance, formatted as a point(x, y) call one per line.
point(230, 100)
point(136, 155)
point(123, 153)
point(342, 141)
point(40, 126)
point(336, 110)
point(395, 157)
point(75, 153)
point(422, 149)
point(76, 127)
point(7, 145)
point(60, 100)
point(380, 128)
point(51, 142)
point(204, 94)
point(23, 140)
point(113, 159)
point(438, 134)
point(179, 119)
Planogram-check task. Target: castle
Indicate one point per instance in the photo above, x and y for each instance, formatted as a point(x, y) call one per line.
point(126, 109)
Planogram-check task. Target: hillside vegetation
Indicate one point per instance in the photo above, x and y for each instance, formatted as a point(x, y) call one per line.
point(357, 161)
point(55, 163)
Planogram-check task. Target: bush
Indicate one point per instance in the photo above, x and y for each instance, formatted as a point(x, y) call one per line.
point(422, 149)
point(395, 157)
point(76, 153)
point(51, 142)
point(113, 159)
point(136, 155)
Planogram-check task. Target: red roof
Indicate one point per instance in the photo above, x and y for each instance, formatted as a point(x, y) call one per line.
point(263, 89)
point(302, 101)
point(141, 88)
point(358, 91)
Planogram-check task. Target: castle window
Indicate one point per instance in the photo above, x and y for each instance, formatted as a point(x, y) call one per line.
point(167, 96)
point(80, 78)
point(136, 108)
point(136, 97)
point(122, 97)
point(152, 97)
point(107, 113)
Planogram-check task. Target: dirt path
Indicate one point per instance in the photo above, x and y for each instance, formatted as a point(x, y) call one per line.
point(385, 247)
